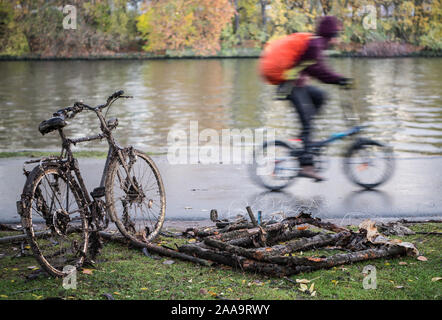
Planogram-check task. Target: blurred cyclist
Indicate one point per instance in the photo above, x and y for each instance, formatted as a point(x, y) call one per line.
point(287, 62)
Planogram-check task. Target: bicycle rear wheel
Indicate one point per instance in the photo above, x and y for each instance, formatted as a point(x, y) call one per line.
point(53, 218)
point(274, 166)
point(369, 163)
point(136, 202)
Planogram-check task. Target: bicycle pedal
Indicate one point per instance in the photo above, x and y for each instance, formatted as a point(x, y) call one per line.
point(98, 192)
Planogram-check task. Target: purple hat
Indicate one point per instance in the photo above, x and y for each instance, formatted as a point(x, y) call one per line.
point(328, 27)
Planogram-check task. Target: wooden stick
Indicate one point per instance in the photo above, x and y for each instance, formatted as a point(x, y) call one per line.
point(156, 249)
point(252, 216)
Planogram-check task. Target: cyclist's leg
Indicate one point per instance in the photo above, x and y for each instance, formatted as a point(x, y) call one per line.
point(317, 96)
point(304, 107)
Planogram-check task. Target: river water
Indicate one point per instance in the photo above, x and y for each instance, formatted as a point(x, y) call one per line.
point(399, 99)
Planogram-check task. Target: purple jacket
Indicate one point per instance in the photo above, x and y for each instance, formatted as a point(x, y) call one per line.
point(319, 69)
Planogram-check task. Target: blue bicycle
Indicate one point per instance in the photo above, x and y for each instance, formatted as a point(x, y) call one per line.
point(367, 163)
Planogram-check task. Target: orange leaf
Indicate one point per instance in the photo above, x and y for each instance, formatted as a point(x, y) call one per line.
point(88, 271)
point(314, 259)
point(303, 228)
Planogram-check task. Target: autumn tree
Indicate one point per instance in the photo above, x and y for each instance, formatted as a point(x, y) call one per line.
point(181, 24)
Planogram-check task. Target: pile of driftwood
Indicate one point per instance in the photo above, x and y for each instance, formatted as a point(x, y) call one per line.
point(271, 248)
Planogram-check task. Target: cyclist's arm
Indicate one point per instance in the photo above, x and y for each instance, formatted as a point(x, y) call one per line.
point(319, 69)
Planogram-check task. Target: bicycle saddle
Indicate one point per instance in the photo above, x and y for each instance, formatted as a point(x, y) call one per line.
point(51, 124)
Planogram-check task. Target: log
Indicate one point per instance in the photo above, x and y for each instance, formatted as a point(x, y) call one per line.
point(265, 255)
point(289, 235)
point(235, 234)
point(241, 263)
point(252, 216)
point(419, 221)
point(273, 239)
point(303, 244)
point(155, 249)
point(22, 237)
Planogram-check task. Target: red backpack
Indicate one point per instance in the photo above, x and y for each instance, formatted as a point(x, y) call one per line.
point(281, 55)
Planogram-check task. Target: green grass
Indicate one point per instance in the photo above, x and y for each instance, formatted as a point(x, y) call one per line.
point(126, 273)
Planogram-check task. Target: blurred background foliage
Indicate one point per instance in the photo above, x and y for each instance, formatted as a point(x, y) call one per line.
point(109, 27)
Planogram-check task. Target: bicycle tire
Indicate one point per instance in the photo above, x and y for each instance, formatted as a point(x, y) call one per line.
point(386, 157)
point(259, 178)
point(34, 203)
point(137, 230)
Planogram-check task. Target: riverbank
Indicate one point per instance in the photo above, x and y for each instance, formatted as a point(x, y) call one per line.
point(234, 53)
point(124, 273)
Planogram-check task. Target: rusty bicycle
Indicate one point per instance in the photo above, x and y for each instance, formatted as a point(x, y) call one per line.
point(62, 219)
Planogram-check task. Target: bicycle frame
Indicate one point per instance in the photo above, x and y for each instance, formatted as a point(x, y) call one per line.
point(338, 136)
point(353, 121)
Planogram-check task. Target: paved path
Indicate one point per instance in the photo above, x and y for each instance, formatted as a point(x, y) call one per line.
point(415, 191)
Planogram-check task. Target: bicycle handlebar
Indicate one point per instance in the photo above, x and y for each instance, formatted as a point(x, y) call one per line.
point(58, 118)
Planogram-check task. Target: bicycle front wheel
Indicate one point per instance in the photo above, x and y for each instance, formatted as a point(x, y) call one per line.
point(274, 166)
point(369, 163)
point(53, 217)
point(135, 196)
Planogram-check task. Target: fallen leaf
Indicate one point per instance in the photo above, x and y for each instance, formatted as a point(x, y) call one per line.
point(302, 281)
point(303, 228)
point(32, 267)
point(313, 294)
point(169, 262)
point(192, 240)
point(303, 287)
point(87, 271)
point(422, 258)
point(311, 287)
point(399, 287)
point(3, 296)
point(314, 259)
point(117, 293)
point(402, 263)
point(144, 289)
point(436, 279)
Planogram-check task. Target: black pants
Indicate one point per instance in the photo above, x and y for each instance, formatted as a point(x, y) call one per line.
point(307, 102)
